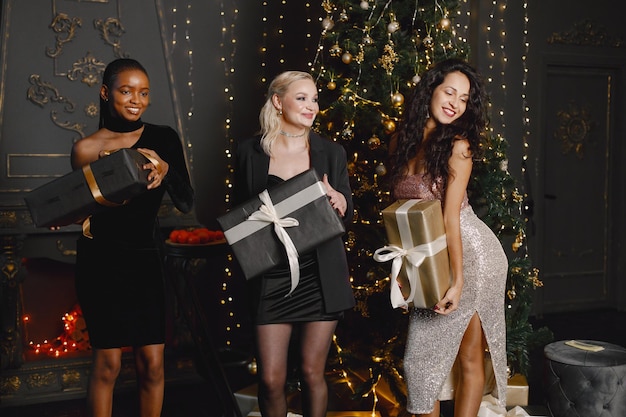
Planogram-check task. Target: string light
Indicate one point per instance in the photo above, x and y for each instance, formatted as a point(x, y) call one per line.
point(263, 51)
point(525, 109)
point(74, 337)
point(281, 32)
point(461, 23)
point(495, 39)
point(228, 47)
point(188, 51)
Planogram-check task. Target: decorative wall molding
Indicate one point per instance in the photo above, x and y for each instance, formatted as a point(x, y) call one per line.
point(575, 124)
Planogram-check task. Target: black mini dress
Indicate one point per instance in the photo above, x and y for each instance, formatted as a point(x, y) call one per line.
point(270, 301)
point(119, 274)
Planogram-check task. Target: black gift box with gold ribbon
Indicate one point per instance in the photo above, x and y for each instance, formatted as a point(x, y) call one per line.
point(108, 182)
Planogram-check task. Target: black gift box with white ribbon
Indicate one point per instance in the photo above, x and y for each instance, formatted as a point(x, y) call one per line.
point(298, 209)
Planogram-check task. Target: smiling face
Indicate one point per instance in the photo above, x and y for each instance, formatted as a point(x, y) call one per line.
point(129, 95)
point(449, 99)
point(299, 106)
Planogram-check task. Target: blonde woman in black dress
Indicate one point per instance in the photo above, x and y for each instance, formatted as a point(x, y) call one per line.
point(286, 147)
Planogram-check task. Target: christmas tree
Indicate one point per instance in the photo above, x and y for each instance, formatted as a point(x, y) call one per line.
point(370, 55)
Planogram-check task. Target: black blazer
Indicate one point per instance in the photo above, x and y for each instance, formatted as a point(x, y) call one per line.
point(327, 157)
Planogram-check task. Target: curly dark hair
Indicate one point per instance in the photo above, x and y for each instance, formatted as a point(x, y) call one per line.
point(438, 149)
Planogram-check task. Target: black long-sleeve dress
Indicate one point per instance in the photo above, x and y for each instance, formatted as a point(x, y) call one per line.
point(119, 273)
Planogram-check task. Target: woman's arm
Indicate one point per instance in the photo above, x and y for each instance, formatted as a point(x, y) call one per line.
point(460, 163)
point(176, 178)
point(84, 151)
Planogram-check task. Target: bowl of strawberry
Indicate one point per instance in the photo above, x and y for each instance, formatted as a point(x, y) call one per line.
point(195, 236)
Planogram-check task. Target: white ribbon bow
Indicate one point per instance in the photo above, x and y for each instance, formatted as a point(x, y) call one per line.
point(267, 213)
point(415, 256)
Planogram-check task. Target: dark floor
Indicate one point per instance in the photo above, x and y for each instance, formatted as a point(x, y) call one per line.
point(200, 399)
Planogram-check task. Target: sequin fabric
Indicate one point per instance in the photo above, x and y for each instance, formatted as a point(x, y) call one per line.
point(433, 340)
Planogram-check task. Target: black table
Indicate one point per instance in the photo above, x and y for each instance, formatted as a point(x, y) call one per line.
point(182, 263)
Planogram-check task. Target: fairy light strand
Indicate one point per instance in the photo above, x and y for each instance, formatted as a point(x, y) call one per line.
point(228, 47)
point(525, 109)
point(188, 51)
point(190, 69)
point(264, 36)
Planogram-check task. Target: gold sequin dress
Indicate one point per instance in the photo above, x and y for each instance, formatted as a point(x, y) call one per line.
point(433, 340)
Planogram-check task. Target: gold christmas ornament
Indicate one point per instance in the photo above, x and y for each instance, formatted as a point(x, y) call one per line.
point(511, 294)
point(381, 169)
point(367, 40)
point(373, 142)
point(397, 99)
point(343, 16)
point(327, 23)
point(351, 168)
point(331, 85)
point(393, 27)
point(445, 23)
point(519, 240)
point(429, 42)
point(389, 125)
point(351, 240)
point(534, 278)
point(252, 367)
point(388, 58)
point(416, 79)
point(365, 5)
point(335, 50)
point(346, 58)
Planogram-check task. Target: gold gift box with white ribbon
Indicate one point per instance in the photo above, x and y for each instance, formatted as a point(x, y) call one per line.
point(420, 270)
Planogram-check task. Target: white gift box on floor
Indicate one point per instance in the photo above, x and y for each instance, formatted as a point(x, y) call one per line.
point(249, 406)
point(489, 408)
point(330, 414)
point(247, 399)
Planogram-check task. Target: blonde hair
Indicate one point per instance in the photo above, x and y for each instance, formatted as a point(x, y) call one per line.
point(269, 117)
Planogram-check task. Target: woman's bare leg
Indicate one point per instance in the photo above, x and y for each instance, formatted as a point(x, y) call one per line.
point(105, 369)
point(469, 390)
point(151, 379)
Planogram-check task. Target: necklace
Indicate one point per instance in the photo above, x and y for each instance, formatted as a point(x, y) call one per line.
point(291, 135)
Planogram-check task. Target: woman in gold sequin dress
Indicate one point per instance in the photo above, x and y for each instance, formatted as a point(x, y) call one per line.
point(431, 158)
